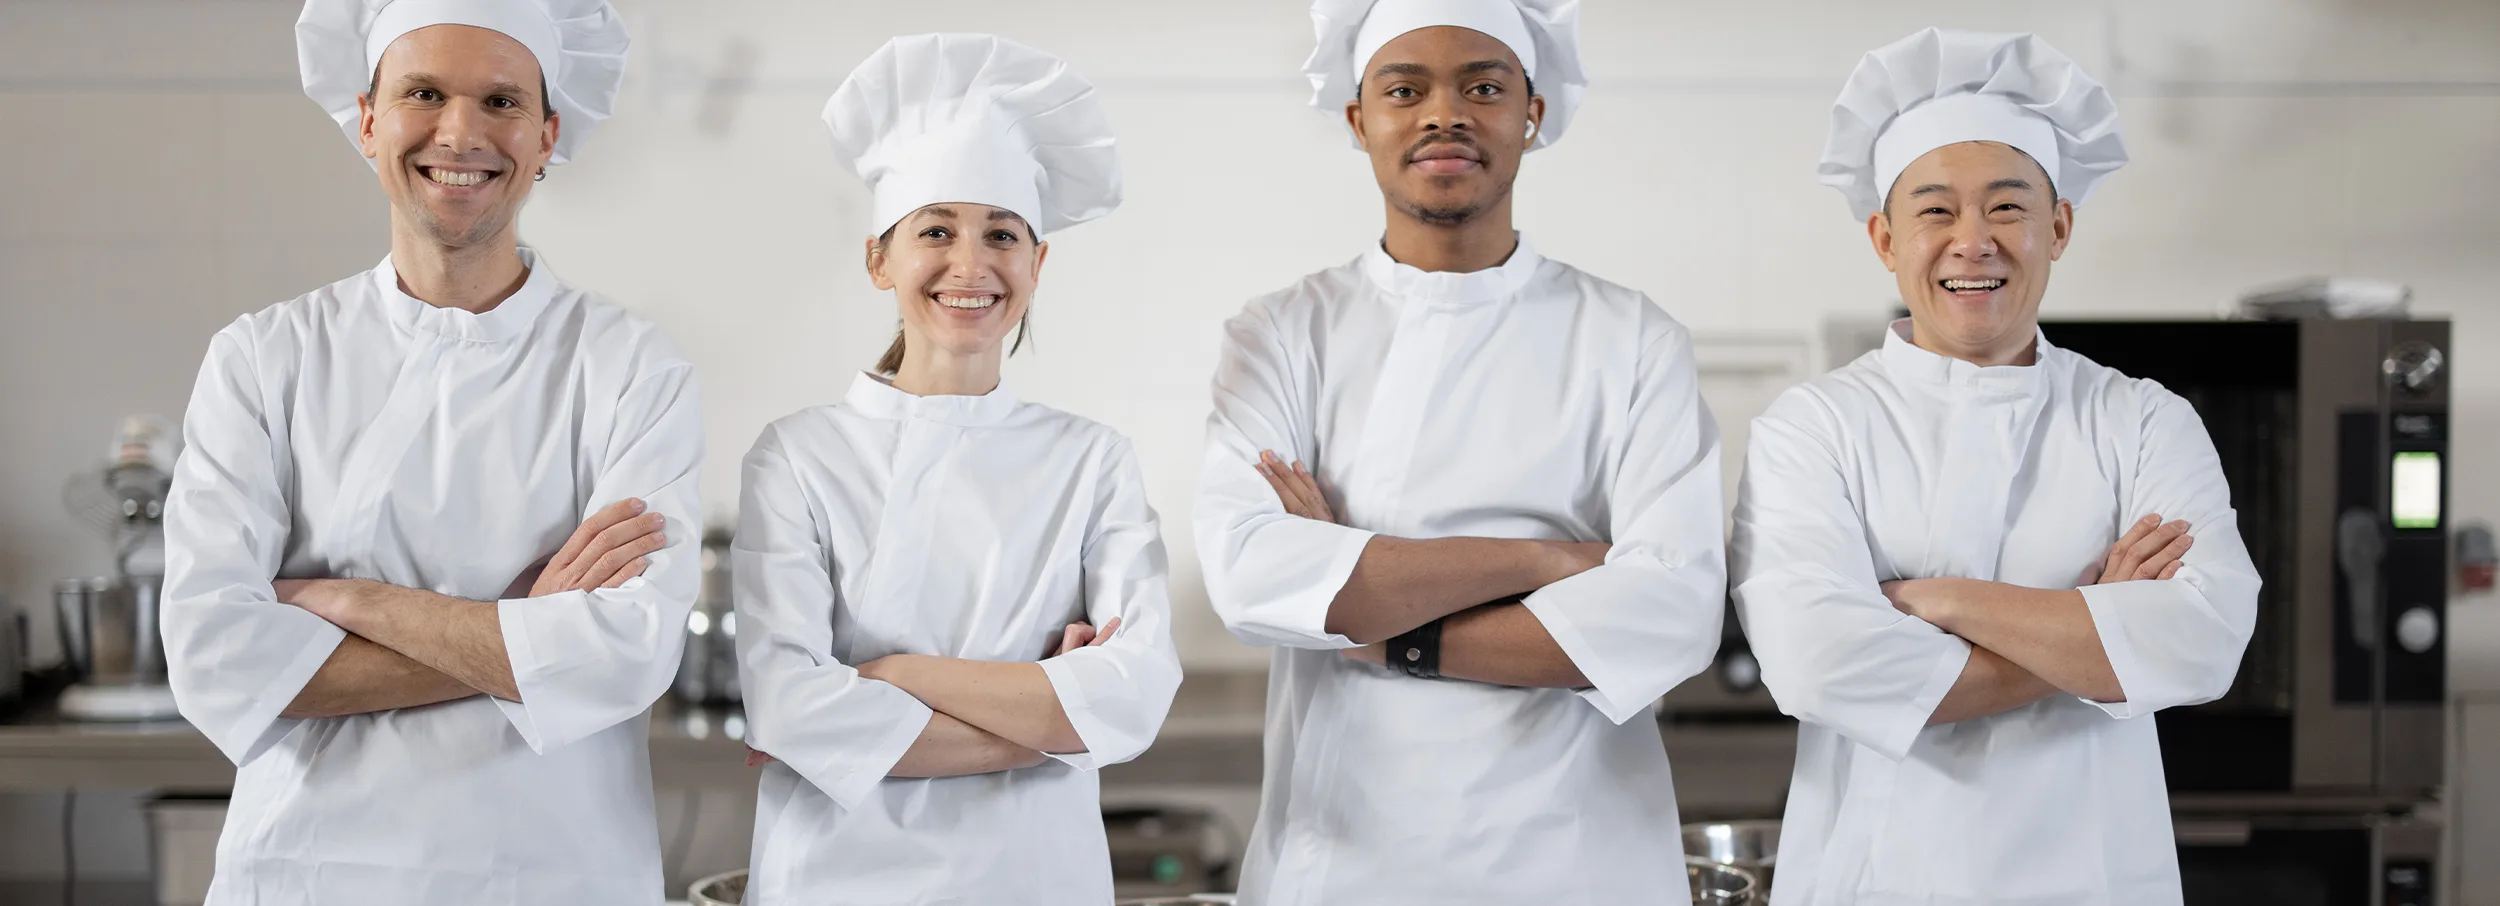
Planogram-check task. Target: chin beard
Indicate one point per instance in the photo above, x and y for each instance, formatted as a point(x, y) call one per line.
point(1452, 215)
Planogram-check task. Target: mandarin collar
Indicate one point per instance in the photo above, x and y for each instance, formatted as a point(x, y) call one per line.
point(509, 319)
point(1449, 288)
point(876, 398)
point(1907, 360)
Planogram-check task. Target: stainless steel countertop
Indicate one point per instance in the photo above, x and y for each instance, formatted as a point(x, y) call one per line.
point(1212, 738)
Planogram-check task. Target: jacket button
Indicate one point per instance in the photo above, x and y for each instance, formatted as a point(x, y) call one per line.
point(1414, 654)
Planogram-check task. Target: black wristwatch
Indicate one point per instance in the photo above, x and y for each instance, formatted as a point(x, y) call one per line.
point(1417, 651)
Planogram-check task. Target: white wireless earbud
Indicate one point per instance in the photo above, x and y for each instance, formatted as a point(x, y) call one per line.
point(1531, 131)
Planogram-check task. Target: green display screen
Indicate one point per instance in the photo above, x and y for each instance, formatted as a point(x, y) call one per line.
point(2414, 494)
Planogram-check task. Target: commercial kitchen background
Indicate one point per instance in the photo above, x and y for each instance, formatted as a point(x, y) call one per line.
point(162, 173)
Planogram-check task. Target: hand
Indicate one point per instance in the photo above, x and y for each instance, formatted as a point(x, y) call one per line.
point(1080, 635)
point(1565, 559)
point(756, 757)
point(328, 599)
point(2150, 550)
point(1295, 486)
point(1375, 654)
point(613, 545)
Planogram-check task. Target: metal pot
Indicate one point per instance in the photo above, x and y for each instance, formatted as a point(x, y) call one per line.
point(729, 888)
point(1723, 885)
point(1751, 845)
point(725, 889)
point(108, 630)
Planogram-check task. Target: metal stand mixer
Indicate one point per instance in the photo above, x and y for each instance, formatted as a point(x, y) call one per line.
point(109, 633)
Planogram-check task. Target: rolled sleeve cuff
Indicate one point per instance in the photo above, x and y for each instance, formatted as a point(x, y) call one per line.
point(2106, 604)
point(1894, 741)
point(1103, 745)
point(260, 726)
point(1300, 618)
point(853, 780)
point(1615, 693)
point(511, 615)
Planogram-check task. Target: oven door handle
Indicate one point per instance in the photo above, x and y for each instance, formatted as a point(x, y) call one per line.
point(2360, 548)
point(2211, 832)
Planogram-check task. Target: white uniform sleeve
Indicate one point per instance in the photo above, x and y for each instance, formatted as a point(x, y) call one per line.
point(1833, 650)
point(1116, 693)
point(1649, 617)
point(1271, 576)
point(587, 660)
point(234, 655)
point(2178, 641)
point(839, 730)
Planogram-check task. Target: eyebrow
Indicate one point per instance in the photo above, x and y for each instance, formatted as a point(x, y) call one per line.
point(998, 214)
point(2010, 182)
point(1487, 66)
point(414, 79)
point(1929, 189)
point(1390, 69)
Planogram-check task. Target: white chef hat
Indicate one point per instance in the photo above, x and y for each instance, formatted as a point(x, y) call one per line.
point(978, 119)
point(1544, 33)
point(580, 46)
point(1939, 87)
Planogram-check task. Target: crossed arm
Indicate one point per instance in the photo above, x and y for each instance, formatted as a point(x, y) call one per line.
point(407, 647)
point(1402, 583)
point(2030, 643)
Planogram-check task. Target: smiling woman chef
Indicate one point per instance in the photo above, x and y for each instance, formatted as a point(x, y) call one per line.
point(1951, 555)
point(904, 557)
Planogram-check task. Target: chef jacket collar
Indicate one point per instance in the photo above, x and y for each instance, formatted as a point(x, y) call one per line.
point(1907, 360)
point(511, 318)
point(1444, 287)
point(875, 398)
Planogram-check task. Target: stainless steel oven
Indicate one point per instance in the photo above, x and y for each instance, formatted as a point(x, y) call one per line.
point(2318, 774)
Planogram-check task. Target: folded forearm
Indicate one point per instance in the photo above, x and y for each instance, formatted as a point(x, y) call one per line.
point(2046, 632)
point(1989, 684)
point(1402, 583)
point(1505, 645)
point(1011, 699)
point(362, 677)
point(949, 747)
point(461, 638)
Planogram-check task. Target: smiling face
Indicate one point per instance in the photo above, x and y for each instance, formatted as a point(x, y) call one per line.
point(963, 275)
point(1968, 232)
point(457, 127)
point(1445, 114)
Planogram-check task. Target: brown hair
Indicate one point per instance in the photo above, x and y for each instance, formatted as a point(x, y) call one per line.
point(891, 363)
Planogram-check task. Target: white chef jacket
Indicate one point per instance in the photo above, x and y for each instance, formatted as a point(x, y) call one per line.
point(357, 432)
point(1528, 400)
point(973, 527)
point(1907, 464)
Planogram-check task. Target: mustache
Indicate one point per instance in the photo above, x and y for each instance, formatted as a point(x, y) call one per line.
point(1445, 138)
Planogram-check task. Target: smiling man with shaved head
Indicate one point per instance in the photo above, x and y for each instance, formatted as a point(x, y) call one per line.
point(431, 544)
point(1470, 496)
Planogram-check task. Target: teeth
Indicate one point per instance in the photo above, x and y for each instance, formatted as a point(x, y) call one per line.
point(455, 177)
point(1973, 284)
point(975, 302)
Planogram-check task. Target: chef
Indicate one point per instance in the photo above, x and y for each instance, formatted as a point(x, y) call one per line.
point(1974, 564)
point(1469, 495)
point(370, 466)
point(951, 602)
